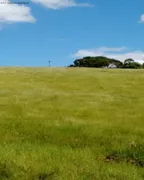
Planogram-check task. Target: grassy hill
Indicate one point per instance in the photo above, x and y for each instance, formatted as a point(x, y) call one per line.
point(71, 124)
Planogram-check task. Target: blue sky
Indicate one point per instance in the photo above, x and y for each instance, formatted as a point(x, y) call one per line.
point(63, 30)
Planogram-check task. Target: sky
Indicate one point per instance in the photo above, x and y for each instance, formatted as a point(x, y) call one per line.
point(37, 31)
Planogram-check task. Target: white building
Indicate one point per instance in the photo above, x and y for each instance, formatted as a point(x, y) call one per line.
point(112, 66)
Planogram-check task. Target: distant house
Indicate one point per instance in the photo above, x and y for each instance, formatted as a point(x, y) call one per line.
point(112, 66)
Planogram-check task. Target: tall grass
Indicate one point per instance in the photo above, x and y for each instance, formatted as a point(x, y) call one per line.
point(71, 124)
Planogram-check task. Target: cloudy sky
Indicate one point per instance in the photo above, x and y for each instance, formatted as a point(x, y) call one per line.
point(63, 30)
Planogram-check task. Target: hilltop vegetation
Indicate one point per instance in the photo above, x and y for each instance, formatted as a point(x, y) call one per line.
point(71, 124)
point(100, 61)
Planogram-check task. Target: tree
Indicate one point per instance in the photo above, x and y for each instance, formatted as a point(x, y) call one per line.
point(130, 63)
point(97, 62)
point(101, 61)
point(71, 65)
point(135, 65)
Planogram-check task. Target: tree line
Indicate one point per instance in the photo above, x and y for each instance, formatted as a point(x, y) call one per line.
point(104, 62)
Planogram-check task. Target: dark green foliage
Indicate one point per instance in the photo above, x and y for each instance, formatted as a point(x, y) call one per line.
point(96, 62)
point(130, 63)
point(133, 65)
point(104, 62)
point(71, 65)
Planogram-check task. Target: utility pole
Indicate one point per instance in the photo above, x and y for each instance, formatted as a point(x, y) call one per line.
point(49, 63)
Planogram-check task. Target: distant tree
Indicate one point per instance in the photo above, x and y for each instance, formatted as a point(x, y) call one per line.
point(127, 63)
point(97, 62)
point(135, 65)
point(101, 61)
point(71, 65)
point(130, 63)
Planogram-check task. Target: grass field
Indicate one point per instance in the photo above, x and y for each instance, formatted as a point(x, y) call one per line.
point(71, 124)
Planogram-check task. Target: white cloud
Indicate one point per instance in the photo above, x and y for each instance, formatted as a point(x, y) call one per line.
point(117, 53)
point(142, 18)
point(58, 4)
point(13, 13)
point(97, 52)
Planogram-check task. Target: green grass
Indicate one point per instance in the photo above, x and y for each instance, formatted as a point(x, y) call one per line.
point(71, 124)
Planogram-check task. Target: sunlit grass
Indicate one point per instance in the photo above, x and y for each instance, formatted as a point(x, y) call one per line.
point(64, 123)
